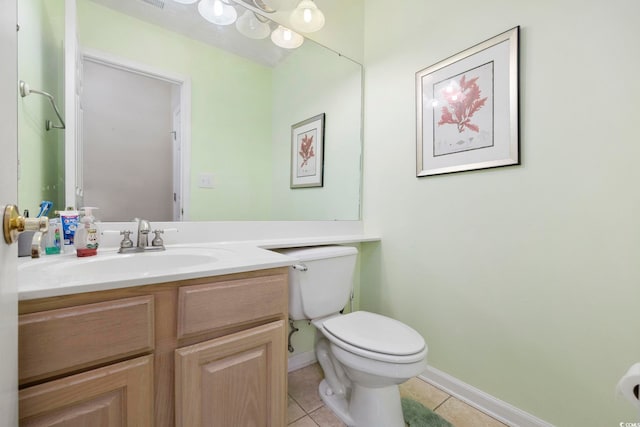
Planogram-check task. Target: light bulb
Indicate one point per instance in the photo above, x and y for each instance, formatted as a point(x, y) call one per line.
point(286, 38)
point(218, 8)
point(307, 17)
point(216, 12)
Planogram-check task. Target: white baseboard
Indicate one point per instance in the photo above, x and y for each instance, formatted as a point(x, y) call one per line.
point(495, 408)
point(300, 360)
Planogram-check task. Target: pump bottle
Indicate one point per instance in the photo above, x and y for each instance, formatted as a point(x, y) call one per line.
point(86, 238)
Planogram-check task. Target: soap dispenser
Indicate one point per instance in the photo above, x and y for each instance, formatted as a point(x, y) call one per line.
point(86, 237)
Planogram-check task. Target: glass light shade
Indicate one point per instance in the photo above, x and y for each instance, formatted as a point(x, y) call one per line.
point(286, 38)
point(281, 4)
point(250, 26)
point(307, 17)
point(185, 1)
point(217, 12)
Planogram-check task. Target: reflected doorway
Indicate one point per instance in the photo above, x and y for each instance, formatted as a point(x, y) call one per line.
point(131, 143)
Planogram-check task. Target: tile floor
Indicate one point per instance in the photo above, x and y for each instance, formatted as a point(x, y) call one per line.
point(307, 410)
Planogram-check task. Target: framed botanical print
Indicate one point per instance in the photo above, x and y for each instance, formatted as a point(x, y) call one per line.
point(307, 152)
point(467, 109)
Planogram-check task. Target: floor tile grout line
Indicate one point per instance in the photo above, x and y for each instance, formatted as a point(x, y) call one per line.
point(297, 419)
point(304, 411)
point(299, 405)
point(441, 403)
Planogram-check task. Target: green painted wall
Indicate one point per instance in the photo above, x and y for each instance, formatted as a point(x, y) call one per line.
point(523, 280)
point(40, 64)
point(231, 134)
point(310, 81)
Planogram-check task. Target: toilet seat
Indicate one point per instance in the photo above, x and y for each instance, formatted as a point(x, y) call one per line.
point(375, 337)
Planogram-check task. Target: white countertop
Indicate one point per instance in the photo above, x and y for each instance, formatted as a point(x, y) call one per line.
point(56, 275)
point(65, 274)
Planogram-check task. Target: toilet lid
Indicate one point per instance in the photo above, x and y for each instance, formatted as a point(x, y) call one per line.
point(375, 333)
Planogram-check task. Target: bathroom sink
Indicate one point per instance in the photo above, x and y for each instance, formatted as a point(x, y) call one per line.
point(141, 263)
point(111, 266)
point(65, 274)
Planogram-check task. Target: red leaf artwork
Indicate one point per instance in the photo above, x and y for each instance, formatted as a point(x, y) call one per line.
point(306, 149)
point(464, 101)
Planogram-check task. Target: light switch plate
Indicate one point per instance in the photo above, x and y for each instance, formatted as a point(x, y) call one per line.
point(205, 180)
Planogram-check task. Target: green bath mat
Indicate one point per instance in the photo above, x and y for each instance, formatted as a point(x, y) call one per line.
point(417, 415)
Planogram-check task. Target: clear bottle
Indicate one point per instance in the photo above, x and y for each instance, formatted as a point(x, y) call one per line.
point(86, 237)
point(53, 241)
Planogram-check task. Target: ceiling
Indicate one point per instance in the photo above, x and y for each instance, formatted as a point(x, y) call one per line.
point(185, 19)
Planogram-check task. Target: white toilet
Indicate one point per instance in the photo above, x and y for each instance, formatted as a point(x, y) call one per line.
point(364, 355)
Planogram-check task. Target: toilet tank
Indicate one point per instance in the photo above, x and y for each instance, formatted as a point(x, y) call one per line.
point(320, 284)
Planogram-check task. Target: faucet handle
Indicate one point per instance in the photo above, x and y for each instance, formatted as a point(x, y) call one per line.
point(157, 241)
point(126, 240)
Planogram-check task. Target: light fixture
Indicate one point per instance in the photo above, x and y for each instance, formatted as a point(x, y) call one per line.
point(307, 17)
point(251, 26)
point(185, 1)
point(280, 4)
point(286, 38)
point(217, 12)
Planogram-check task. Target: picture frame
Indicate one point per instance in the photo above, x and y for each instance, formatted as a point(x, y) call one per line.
point(467, 109)
point(307, 152)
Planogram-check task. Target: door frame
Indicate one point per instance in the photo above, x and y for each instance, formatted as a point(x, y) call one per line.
point(184, 83)
point(8, 195)
point(176, 149)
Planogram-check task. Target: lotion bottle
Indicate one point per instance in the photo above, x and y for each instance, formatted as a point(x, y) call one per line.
point(86, 238)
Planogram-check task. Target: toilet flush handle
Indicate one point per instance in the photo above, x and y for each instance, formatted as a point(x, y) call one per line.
point(300, 267)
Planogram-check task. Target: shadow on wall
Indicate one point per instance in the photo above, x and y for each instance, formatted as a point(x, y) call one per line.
point(371, 277)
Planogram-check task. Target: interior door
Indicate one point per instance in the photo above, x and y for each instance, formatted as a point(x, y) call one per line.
point(8, 195)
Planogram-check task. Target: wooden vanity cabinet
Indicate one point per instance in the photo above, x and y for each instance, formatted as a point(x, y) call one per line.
point(241, 375)
point(201, 352)
point(116, 395)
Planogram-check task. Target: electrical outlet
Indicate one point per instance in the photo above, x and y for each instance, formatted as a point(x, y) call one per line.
point(205, 180)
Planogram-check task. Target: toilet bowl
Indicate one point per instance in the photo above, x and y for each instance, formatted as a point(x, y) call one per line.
point(364, 356)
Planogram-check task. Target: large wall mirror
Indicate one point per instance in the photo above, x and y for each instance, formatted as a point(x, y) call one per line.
point(175, 117)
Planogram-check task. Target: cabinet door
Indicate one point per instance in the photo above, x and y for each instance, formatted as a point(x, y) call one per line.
point(116, 395)
point(235, 380)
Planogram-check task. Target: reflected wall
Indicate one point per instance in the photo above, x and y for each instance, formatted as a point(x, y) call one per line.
point(241, 117)
point(40, 64)
point(242, 114)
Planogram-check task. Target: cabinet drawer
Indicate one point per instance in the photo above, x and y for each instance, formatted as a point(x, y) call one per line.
point(202, 308)
point(59, 341)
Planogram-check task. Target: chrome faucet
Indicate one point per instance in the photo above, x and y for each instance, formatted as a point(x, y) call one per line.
point(142, 244)
point(143, 232)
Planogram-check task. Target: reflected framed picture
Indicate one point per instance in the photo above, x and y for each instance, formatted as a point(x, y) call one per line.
point(467, 109)
point(307, 152)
